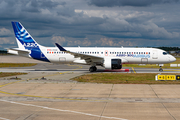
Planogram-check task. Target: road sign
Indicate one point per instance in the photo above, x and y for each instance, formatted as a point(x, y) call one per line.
point(177, 77)
point(170, 77)
point(161, 77)
point(167, 77)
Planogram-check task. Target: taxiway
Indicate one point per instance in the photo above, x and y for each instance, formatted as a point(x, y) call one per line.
point(47, 93)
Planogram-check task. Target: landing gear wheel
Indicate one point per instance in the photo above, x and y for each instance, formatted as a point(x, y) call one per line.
point(160, 69)
point(92, 69)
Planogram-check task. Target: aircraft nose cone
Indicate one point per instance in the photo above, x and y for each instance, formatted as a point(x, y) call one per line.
point(172, 59)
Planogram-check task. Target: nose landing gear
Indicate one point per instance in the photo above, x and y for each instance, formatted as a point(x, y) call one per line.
point(92, 69)
point(160, 69)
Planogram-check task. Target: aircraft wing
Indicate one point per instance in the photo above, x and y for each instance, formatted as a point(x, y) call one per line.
point(88, 58)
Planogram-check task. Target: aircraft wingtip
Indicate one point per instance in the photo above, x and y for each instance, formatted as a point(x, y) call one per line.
point(60, 47)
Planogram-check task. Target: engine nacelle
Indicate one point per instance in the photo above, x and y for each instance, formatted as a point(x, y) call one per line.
point(110, 63)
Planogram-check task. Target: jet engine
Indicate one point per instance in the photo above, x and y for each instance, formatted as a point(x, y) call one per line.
point(110, 63)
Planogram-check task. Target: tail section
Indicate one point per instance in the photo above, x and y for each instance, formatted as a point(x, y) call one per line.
point(23, 38)
point(27, 45)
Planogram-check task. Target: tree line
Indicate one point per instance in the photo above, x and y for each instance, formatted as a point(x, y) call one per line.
point(170, 48)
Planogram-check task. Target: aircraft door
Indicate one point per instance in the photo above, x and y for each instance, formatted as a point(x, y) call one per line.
point(62, 59)
point(144, 60)
point(155, 54)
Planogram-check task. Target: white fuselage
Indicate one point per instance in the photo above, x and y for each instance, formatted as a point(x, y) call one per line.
point(128, 55)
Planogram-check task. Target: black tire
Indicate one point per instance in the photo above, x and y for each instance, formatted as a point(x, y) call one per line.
point(94, 68)
point(91, 69)
point(161, 70)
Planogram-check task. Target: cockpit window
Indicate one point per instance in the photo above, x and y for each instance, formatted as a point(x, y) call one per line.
point(165, 53)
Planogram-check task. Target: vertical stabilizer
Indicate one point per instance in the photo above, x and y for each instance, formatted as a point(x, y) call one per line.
point(27, 43)
point(23, 38)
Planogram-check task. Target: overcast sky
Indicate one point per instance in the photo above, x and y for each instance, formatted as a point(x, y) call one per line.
point(93, 22)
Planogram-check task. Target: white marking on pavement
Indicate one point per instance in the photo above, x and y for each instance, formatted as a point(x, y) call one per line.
point(61, 110)
point(4, 118)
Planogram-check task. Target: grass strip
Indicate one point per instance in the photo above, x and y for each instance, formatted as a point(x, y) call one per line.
point(2, 74)
point(17, 64)
point(123, 78)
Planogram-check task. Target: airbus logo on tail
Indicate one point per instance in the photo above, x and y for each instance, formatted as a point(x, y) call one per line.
point(30, 45)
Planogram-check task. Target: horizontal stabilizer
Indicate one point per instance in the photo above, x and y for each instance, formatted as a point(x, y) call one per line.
point(19, 50)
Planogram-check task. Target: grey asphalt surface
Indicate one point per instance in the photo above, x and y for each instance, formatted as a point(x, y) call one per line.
point(47, 93)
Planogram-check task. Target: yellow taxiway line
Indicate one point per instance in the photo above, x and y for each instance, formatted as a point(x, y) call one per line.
point(79, 67)
point(133, 70)
point(44, 96)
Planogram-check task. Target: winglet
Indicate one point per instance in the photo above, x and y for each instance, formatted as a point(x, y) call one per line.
point(60, 47)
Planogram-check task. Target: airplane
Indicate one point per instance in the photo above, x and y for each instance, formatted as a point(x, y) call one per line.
point(107, 57)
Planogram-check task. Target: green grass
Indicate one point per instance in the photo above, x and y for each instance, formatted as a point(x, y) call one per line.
point(17, 64)
point(123, 78)
point(2, 74)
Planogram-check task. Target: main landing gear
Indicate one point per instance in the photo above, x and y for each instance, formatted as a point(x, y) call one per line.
point(160, 69)
point(92, 69)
